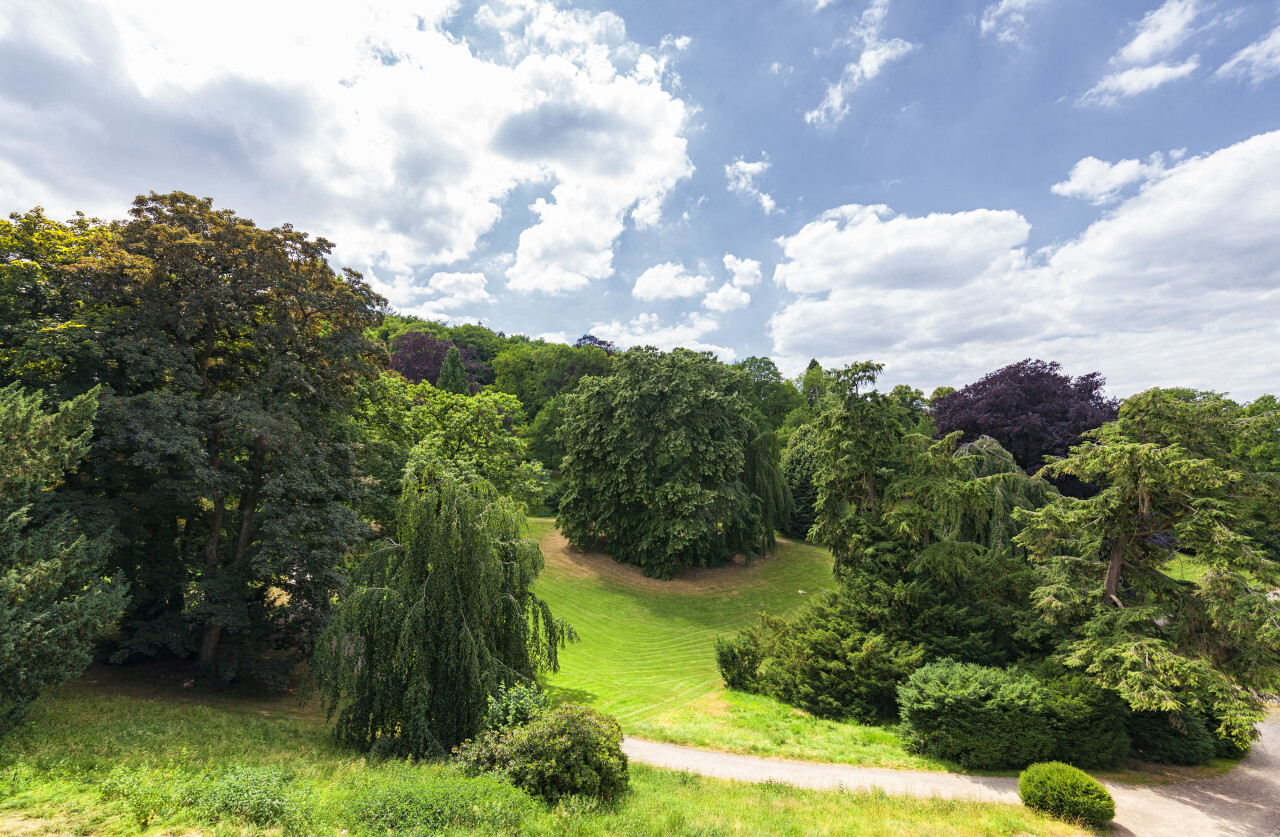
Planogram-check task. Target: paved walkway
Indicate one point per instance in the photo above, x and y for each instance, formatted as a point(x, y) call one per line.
point(1243, 803)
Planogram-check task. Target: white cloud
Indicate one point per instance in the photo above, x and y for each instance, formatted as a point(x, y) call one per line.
point(875, 55)
point(340, 123)
point(668, 280)
point(1006, 21)
point(1158, 291)
point(1159, 33)
point(1259, 61)
point(647, 330)
point(454, 289)
point(727, 297)
point(745, 272)
point(1135, 80)
point(742, 181)
point(1100, 182)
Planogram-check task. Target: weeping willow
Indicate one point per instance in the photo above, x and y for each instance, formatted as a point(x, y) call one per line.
point(433, 624)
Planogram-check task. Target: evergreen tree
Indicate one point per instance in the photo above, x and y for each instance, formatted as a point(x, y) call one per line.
point(453, 378)
point(1172, 482)
point(436, 623)
point(53, 599)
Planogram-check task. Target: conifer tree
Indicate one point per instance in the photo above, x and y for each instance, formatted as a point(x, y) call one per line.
point(453, 377)
point(435, 623)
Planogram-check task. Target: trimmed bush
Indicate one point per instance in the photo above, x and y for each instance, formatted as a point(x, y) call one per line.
point(572, 750)
point(1169, 738)
point(412, 801)
point(981, 718)
point(1066, 792)
point(1088, 722)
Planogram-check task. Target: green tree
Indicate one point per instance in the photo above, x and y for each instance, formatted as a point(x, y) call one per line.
point(656, 463)
point(800, 462)
point(223, 458)
point(770, 396)
point(437, 622)
point(1172, 481)
point(453, 378)
point(54, 601)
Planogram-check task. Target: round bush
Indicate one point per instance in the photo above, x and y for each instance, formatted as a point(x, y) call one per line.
point(1065, 792)
point(572, 750)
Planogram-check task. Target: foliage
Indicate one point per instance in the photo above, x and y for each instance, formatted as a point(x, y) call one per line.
point(1030, 407)
point(54, 601)
point(1088, 722)
point(434, 624)
point(452, 376)
point(538, 372)
point(768, 395)
point(659, 464)
point(1169, 738)
point(514, 706)
point(408, 801)
point(223, 460)
point(738, 658)
point(264, 796)
point(571, 751)
point(605, 346)
point(1066, 792)
point(420, 356)
point(1170, 483)
point(800, 462)
point(981, 718)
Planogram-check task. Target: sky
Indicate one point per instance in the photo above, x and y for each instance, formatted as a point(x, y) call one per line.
point(945, 188)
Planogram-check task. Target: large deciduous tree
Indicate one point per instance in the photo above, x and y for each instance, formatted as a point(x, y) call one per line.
point(435, 623)
point(1030, 407)
point(664, 465)
point(54, 600)
point(1172, 482)
point(223, 457)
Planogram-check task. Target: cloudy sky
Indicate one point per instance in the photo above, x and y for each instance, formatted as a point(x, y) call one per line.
point(943, 187)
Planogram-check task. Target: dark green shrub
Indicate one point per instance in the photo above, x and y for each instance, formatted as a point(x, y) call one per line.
point(409, 800)
point(983, 718)
point(738, 658)
point(1066, 792)
point(515, 706)
point(1088, 722)
point(1168, 738)
point(572, 750)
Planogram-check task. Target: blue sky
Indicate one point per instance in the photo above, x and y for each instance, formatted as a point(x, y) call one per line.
point(945, 188)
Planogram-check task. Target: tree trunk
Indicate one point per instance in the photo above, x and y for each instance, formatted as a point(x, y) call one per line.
point(1113, 571)
point(206, 666)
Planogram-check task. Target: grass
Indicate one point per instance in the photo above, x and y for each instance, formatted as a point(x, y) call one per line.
point(100, 757)
point(647, 653)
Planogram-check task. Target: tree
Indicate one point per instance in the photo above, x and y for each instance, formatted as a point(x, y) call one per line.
point(538, 372)
point(771, 396)
point(435, 623)
point(452, 376)
point(420, 356)
point(800, 461)
point(1030, 407)
point(223, 456)
point(660, 463)
point(1171, 482)
point(54, 601)
point(605, 346)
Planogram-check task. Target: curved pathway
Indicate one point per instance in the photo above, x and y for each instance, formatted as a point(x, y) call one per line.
point(1243, 803)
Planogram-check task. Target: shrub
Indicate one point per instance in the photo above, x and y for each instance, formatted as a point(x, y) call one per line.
point(978, 717)
point(1088, 722)
point(515, 706)
point(409, 800)
point(572, 750)
point(738, 659)
point(257, 795)
point(1169, 738)
point(1224, 747)
point(1065, 792)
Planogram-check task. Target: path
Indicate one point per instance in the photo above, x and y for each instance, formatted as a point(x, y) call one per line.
point(1243, 803)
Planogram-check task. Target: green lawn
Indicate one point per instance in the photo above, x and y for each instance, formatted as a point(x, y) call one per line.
point(647, 653)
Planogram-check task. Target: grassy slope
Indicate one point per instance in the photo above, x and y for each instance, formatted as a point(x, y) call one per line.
point(52, 771)
point(647, 654)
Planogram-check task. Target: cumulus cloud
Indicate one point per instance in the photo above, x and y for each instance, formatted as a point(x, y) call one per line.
point(1100, 182)
point(875, 54)
point(1258, 62)
point(1006, 21)
point(1187, 269)
point(742, 177)
point(727, 297)
point(1140, 62)
point(668, 280)
point(745, 272)
point(648, 330)
point(350, 132)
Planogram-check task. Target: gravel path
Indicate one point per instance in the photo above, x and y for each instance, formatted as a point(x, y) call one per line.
point(1243, 803)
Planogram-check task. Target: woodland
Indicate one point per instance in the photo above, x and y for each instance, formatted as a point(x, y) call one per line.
point(221, 452)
